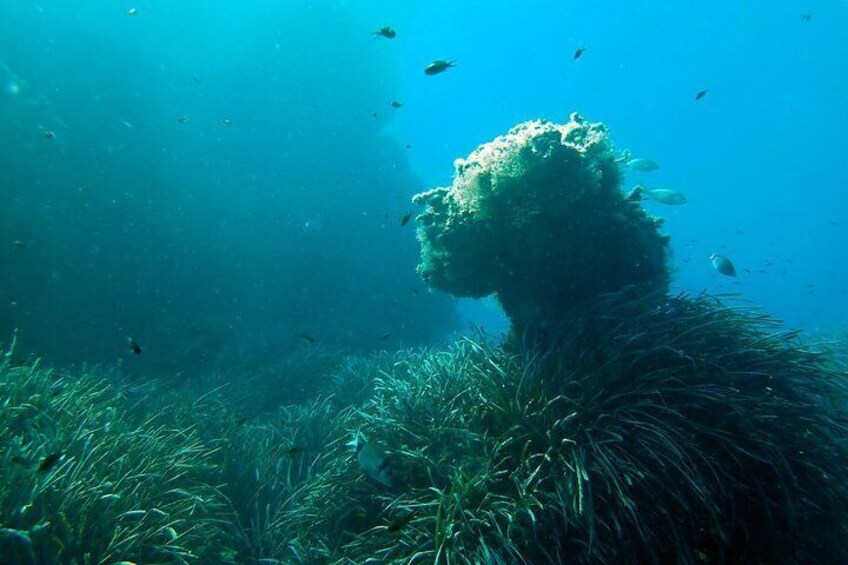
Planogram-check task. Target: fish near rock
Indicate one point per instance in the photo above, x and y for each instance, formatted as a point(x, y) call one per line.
point(642, 164)
point(374, 461)
point(665, 196)
point(723, 265)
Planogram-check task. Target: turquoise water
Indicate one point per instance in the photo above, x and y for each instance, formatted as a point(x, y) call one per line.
point(217, 179)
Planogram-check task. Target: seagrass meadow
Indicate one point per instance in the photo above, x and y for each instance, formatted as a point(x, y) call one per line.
point(680, 429)
point(369, 283)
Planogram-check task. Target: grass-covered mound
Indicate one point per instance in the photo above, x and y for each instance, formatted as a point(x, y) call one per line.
point(685, 432)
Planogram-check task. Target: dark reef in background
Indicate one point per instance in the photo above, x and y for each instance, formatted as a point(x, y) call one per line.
point(211, 195)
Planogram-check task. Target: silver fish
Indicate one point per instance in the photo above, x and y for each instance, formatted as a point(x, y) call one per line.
point(666, 196)
point(374, 461)
point(723, 265)
point(641, 164)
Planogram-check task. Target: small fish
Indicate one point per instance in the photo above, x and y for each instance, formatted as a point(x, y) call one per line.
point(395, 104)
point(295, 450)
point(400, 523)
point(642, 164)
point(20, 244)
point(226, 122)
point(181, 119)
point(386, 32)
point(385, 336)
point(18, 460)
point(579, 52)
point(408, 146)
point(241, 421)
point(307, 339)
point(50, 461)
point(666, 196)
point(700, 94)
point(126, 124)
point(374, 115)
point(415, 292)
point(374, 461)
point(438, 66)
point(723, 265)
point(805, 17)
point(405, 219)
point(132, 11)
point(134, 346)
point(49, 135)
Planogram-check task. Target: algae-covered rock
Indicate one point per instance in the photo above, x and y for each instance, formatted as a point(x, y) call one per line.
point(537, 217)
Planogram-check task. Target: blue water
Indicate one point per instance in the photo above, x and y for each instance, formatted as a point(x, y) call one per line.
point(761, 157)
point(226, 177)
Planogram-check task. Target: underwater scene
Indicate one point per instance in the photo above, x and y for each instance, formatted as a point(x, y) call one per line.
point(368, 282)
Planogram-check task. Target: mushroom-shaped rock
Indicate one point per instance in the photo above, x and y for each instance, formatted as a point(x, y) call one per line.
point(537, 217)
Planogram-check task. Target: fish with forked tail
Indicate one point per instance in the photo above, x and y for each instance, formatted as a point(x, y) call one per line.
point(438, 66)
point(374, 461)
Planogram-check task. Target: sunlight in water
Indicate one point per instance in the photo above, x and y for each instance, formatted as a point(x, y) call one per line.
point(12, 88)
